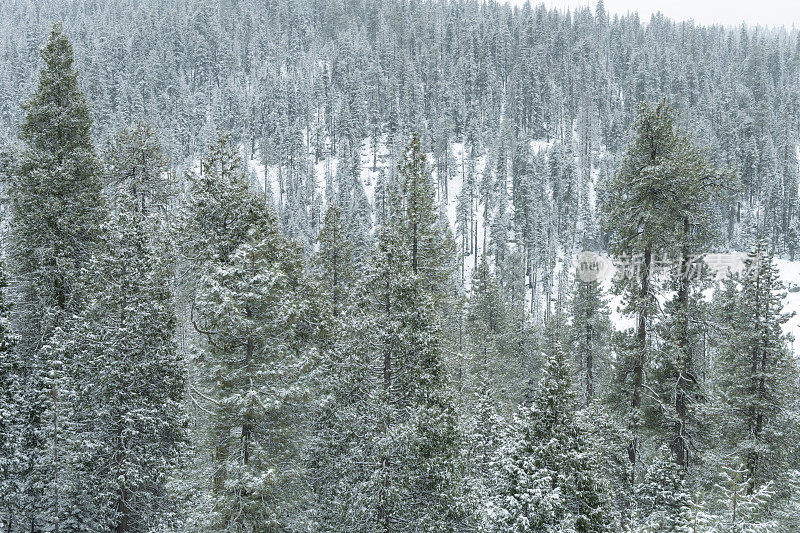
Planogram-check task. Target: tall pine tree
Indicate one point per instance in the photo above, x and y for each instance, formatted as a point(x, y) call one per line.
point(11, 400)
point(125, 414)
point(254, 312)
point(57, 211)
point(756, 370)
point(396, 441)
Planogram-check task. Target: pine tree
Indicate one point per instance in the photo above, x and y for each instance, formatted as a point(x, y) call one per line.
point(741, 509)
point(413, 408)
point(756, 369)
point(57, 210)
point(590, 333)
point(607, 439)
point(547, 478)
point(488, 375)
point(333, 263)
point(663, 501)
point(255, 315)
point(135, 162)
point(219, 211)
point(431, 247)
point(393, 453)
point(11, 396)
point(339, 377)
point(125, 414)
point(222, 222)
point(656, 205)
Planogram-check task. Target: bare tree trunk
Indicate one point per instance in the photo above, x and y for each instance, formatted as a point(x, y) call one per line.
point(683, 382)
point(383, 511)
point(638, 366)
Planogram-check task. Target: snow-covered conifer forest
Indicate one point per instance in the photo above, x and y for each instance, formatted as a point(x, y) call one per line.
point(396, 266)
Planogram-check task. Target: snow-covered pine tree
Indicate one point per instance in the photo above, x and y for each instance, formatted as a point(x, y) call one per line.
point(395, 449)
point(655, 208)
point(11, 400)
point(488, 383)
point(547, 478)
point(339, 376)
point(414, 460)
point(333, 264)
point(663, 502)
point(693, 230)
point(739, 508)
point(220, 214)
point(255, 314)
point(57, 210)
point(755, 370)
point(219, 210)
point(590, 336)
point(135, 162)
point(607, 440)
point(430, 244)
point(126, 415)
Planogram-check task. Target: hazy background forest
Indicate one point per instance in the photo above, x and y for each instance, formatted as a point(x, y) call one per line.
point(292, 265)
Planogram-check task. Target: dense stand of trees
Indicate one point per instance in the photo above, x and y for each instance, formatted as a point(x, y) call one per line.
point(184, 347)
point(299, 82)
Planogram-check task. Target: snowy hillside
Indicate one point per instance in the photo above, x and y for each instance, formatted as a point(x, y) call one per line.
point(375, 162)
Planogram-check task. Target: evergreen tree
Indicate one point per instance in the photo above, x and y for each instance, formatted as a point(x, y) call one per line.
point(135, 163)
point(663, 502)
point(547, 479)
point(757, 371)
point(57, 210)
point(741, 509)
point(11, 397)
point(655, 208)
point(590, 333)
point(418, 488)
point(339, 377)
point(431, 247)
point(219, 211)
point(125, 415)
point(489, 380)
point(395, 444)
point(333, 263)
point(254, 312)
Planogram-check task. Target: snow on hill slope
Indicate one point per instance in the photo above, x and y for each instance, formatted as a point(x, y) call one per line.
point(376, 160)
point(789, 274)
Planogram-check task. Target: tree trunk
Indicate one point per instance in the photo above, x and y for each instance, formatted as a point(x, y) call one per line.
point(56, 459)
point(638, 366)
point(589, 363)
point(383, 511)
point(683, 382)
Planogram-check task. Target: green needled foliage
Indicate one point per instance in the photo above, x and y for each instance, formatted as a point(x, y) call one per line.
point(57, 212)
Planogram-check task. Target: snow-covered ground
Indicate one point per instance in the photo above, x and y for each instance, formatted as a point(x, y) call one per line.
point(374, 162)
point(789, 274)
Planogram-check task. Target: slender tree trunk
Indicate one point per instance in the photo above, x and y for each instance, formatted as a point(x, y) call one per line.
point(124, 512)
point(383, 511)
point(414, 247)
point(335, 272)
point(683, 382)
point(638, 366)
point(589, 362)
point(56, 460)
